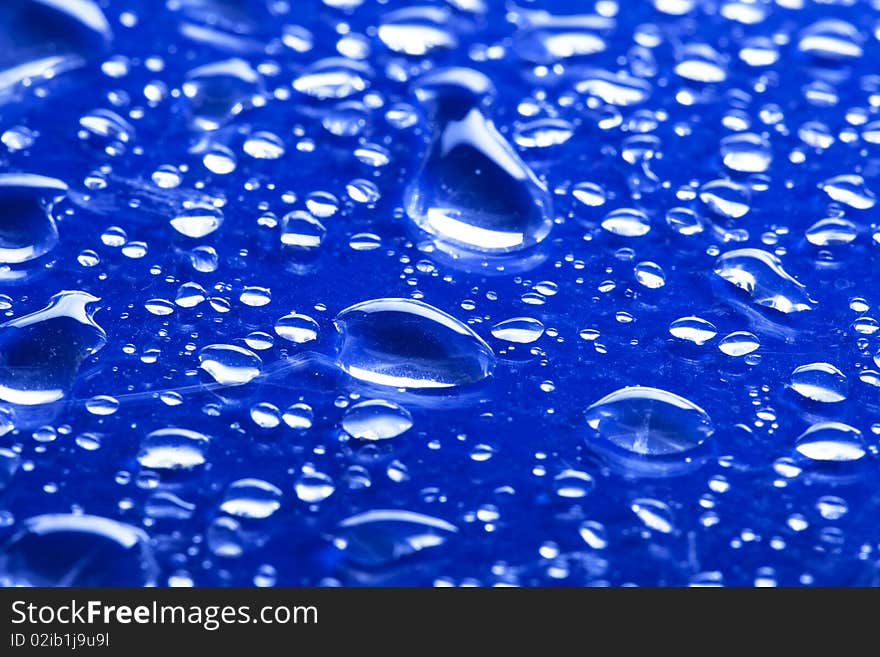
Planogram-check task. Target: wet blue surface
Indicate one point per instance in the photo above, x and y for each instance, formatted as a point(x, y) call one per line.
point(665, 135)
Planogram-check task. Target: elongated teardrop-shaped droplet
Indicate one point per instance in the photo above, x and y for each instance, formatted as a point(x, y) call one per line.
point(383, 536)
point(61, 549)
point(27, 229)
point(760, 273)
point(40, 353)
point(472, 190)
point(649, 421)
point(408, 344)
point(42, 38)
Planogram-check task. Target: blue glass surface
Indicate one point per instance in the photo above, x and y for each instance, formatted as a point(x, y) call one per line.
point(672, 200)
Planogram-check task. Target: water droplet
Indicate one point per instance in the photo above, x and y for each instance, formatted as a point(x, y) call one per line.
point(594, 534)
point(521, 330)
point(383, 536)
point(85, 551)
point(573, 484)
point(314, 487)
point(263, 145)
point(693, 329)
point(297, 328)
point(334, 77)
point(726, 198)
point(301, 230)
point(627, 222)
point(408, 344)
point(416, 31)
point(850, 189)
point(472, 190)
point(27, 229)
point(684, 221)
point(739, 343)
point(220, 91)
point(376, 419)
point(832, 231)
point(44, 38)
point(230, 364)
point(649, 421)
point(820, 382)
point(831, 39)
point(700, 62)
point(832, 441)
point(618, 89)
point(543, 133)
point(266, 415)
point(298, 416)
point(198, 220)
point(251, 498)
point(590, 194)
point(654, 514)
point(746, 152)
point(650, 275)
point(173, 449)
point(102, 405)
point(761, 275)
point(41, 353)
point(546, 38)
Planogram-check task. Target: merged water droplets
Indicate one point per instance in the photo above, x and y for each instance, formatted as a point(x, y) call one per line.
point(405, 343)
point(472, 190)
point(762, 276)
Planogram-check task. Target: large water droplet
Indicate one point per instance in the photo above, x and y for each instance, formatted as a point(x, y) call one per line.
point(831, 39)
point(382, 536)
point(333, 78)
point(376, 419)
point(832, 441)
point(408, 344)
point(746, 152)
point(820, 382)
point(27, 229)
point(251, 498)
point(230, 364)
point(77, 550)
point(850, 189)
point(522, 330)
point(416, 31)
point(693, 329)
point(472, 190)
point(615, 89)
point(649, 421)
point(41, 38)
point(40, 353)
point(220, 91)
point(760, 273)
point(173, 449)
point(627, 222)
